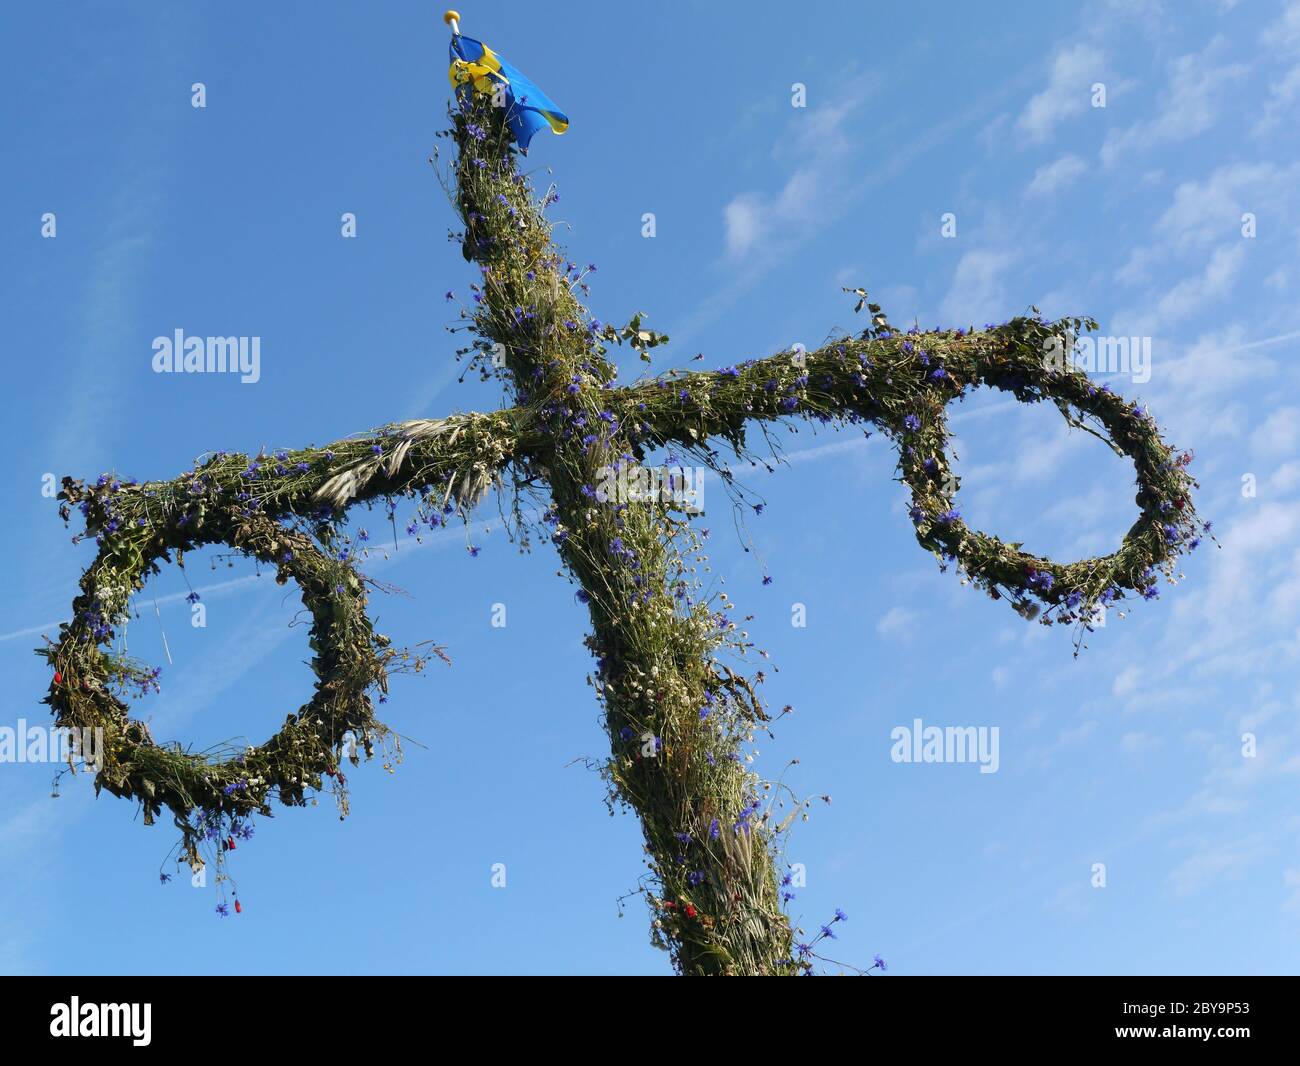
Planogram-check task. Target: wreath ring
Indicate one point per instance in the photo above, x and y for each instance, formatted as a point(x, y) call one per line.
point(350, 662)
point(1065, 592)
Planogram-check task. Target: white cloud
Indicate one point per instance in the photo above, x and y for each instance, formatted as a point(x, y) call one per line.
point(1190, 104)
point(742, 219)
point(1203, 213)
point(1283, 37)
point(1165, 308)
point(1193, 293)
point(1208, 865)
point(898, 623)
point(1052, 178)
point(818, 188)
point(1127, 681)
point(1283, 95)
point(1291, 879)
point(1068, 91)
point(1285, 479)
point(1279, 433)
point(1069, 737)
point(976, 290)
point(1139, 743)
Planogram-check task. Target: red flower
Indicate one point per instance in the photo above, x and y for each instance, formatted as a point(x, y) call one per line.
point(690, 910)
point(238, 908)
point(230, 843)
point(58, 677)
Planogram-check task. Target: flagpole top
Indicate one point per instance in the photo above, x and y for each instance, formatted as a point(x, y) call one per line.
point(452, 19)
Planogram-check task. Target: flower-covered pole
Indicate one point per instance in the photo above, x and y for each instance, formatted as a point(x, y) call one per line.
point(675, 716)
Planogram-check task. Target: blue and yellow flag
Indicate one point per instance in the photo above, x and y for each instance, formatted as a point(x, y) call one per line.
point(528, 109)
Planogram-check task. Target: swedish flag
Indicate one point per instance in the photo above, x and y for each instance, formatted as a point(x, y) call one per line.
point(475, 67)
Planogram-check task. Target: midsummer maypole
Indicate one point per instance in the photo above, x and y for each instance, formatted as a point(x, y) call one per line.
point(679, 719)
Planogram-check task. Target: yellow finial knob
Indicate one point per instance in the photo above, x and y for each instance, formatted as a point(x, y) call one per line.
point(451, 16)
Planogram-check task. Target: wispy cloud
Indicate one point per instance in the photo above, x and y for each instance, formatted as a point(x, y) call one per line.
point(1074, 70)
point(1190, 105)
point(1281, 38)
point(898, 623)
point(976, 292)
point(815, 190)
point(1052, 178)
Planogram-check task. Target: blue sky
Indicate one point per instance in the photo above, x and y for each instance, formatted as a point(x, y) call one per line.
point(226, 220)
